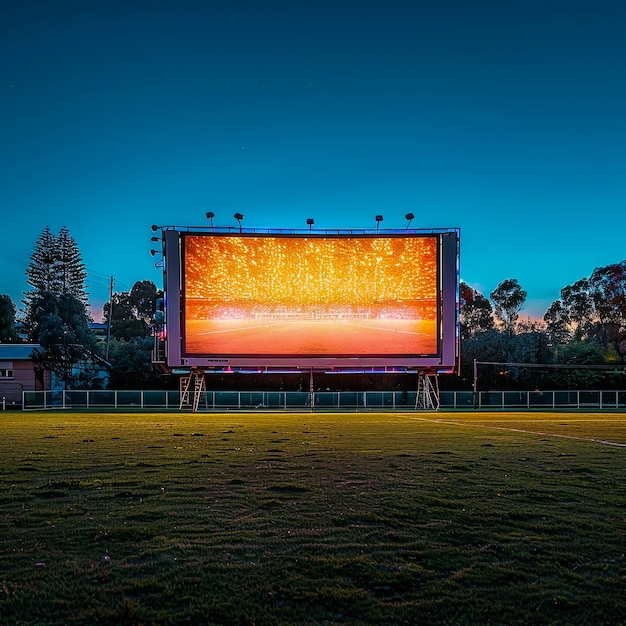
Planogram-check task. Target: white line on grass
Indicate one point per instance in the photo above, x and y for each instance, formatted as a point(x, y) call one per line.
point(520, 430)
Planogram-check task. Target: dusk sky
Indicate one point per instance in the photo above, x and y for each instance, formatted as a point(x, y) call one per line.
point(503, 118)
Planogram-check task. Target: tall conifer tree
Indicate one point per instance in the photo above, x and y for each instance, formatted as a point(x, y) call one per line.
point(56, 269)
point(41, 269)
point(56, 265)
point(70, 267)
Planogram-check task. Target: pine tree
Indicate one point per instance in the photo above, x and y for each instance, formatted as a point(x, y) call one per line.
point(70, 268)
point(56, 269)
point(41, 270)
point(56, 310)
point(56, 265)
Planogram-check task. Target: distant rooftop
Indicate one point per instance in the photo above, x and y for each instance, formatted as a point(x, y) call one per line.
point(17, 351)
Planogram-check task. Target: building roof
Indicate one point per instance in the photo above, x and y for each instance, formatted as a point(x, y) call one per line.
point(17, 351)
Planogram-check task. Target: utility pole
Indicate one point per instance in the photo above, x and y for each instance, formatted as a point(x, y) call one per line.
point(110, 316)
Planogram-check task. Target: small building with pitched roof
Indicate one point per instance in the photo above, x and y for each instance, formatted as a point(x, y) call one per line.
point(19, 373)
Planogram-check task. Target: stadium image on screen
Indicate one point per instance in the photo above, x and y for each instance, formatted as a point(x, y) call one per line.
point(304, 300)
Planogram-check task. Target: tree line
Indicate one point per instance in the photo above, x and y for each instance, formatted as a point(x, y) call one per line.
point(580, 343)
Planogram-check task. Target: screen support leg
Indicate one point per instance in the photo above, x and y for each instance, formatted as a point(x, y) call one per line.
point(192, 388)
point(427, 398)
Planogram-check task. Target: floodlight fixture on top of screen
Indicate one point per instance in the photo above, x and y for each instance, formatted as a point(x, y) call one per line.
point(238, 217)
point(210, 215)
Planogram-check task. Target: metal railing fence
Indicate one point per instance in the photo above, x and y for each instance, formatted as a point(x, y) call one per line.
point(323, 400)
point(511, 400)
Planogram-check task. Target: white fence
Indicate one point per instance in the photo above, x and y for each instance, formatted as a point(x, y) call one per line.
point(562, 399)
point(325, 400)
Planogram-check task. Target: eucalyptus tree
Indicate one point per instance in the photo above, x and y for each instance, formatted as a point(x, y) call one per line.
point(557, 323)
point(508, 299)
point(476, 312)
point(578, 307)
point(608, 292)
point(131, 312)
point(592, 309)
point(143, 297)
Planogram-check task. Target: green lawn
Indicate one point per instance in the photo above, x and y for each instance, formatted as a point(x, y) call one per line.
point(324, 518)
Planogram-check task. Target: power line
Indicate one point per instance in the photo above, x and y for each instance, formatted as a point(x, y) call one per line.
point(552, 365)
point(22, 256)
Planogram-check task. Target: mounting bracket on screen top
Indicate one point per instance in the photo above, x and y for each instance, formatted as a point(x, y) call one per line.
point(305, 231)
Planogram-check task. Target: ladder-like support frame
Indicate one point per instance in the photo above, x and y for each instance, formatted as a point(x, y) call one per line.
point(191, 389)
point(427, 398)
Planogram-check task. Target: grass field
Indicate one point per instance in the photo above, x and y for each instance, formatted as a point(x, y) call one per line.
point(352, 518)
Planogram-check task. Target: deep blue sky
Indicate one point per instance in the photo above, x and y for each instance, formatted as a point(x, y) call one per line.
point(503, 118)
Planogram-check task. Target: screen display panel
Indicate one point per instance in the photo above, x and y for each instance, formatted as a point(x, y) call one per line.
point(310, 300)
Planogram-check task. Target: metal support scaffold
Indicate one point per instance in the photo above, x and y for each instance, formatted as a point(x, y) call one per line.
point(427, 398)
point(191, 389)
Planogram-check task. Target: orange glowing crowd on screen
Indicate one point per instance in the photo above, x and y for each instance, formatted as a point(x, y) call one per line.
point(308, 271)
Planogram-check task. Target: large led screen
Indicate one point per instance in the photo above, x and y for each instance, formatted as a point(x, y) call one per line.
point(302, 300)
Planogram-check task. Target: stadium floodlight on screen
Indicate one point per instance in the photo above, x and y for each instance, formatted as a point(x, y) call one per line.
point(289, 300)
